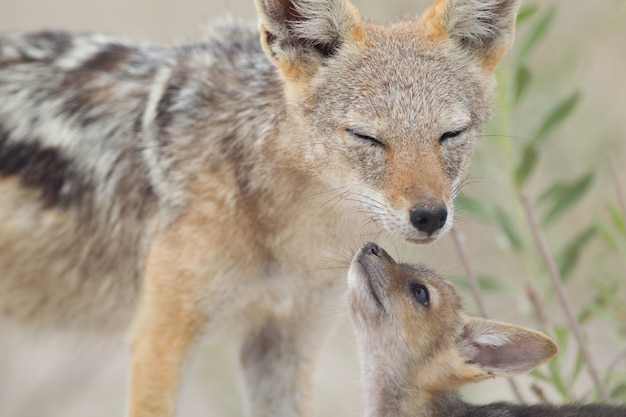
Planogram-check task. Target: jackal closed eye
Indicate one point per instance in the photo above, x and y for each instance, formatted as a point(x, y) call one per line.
point(450, 135)
point(361, 136)
point(420, 293)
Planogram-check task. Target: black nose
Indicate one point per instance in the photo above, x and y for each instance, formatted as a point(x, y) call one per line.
point(427, 219)
point(373, 248)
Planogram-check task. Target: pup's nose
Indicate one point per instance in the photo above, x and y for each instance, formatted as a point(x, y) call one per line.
point(373, 248)
point(428, 219)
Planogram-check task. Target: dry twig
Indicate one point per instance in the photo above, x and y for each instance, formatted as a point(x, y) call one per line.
point(564, 300)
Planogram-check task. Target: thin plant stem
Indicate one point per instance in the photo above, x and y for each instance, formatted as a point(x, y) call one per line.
point(459, 240)
point(564, 300)
point(541, 396)
point(535, 302)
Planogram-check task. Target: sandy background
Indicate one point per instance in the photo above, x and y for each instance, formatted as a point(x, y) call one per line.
point(64, 375)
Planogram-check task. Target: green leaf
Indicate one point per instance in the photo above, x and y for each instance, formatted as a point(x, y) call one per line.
point(619, 392)
point(525, 12)
point(587, 311)
point(507, 228)
point(489, 283)
point(537, 32)
point(585, 314)
point(527, 164)
point(606, 236)
point(557, 115)
point(618, 219)
point(557, 379)
point(578, 366)
point(563, 196)
point(561, 335)
point(603, 303)
point(523, 76)
point(485, 282)
point(459, 281)
point(568, 258)
point(474, 208)
point(536, 373)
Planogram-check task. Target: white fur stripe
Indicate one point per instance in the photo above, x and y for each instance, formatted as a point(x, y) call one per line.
point(157, 90)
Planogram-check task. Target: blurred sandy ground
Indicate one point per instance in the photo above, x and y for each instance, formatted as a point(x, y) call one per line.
point(64, 375)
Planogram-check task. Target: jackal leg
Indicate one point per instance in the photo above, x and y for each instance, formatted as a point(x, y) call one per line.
point(277, 359)
point(166, 326)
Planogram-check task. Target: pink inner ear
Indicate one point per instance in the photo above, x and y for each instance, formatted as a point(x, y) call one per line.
point(495, 357)
point(282, 11)
point(514, 356)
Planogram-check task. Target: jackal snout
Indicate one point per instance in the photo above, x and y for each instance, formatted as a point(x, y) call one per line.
point(428, 216)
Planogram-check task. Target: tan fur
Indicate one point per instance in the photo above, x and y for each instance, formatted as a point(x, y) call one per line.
point(168, 324)
point(432, 17)
point(415, 355)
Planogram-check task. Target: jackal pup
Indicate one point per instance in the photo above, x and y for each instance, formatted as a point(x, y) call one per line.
point(417, 347)
point(206, 184)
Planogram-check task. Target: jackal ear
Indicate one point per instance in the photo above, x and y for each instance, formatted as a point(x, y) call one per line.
point(483, 28)
point(298, 35)
point(493, 348)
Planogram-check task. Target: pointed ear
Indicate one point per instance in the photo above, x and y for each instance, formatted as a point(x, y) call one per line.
point(496, 348)
point(482, 28)
point(299, 34)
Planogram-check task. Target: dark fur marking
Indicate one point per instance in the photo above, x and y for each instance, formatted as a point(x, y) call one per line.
point(502, 409)
point(263, 346)
point(109, 59)
point(53, 44)
point(59, 42)
point(44, 168)
point(134, 182)
point(72, 84)
point(77, 103)
point(80, 96)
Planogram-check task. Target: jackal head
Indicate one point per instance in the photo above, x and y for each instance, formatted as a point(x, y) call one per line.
point(390, 112)
point(410, 322)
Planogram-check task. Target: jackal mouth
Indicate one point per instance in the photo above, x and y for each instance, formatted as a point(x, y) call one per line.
point(367, 276)
point(422, 241)
point(372, 290)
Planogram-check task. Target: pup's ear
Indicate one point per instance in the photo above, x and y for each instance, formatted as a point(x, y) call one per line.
point(482, 28)
point(298, 35)
point(492, 348)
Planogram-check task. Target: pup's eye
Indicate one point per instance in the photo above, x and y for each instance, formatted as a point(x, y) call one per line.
point(367, 138)
point(450, 135)
point(420, 293)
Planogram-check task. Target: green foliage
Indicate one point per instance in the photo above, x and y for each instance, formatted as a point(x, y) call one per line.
point(523, 77)
point(526, 165)
point(538, 31)
point(561, 374)
point(525, 12)
point(507, 228)
point(568, 258)
point(486, 283)
point(556, 116)
point(518, 165)
point(562, 196)
point(475, 208)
